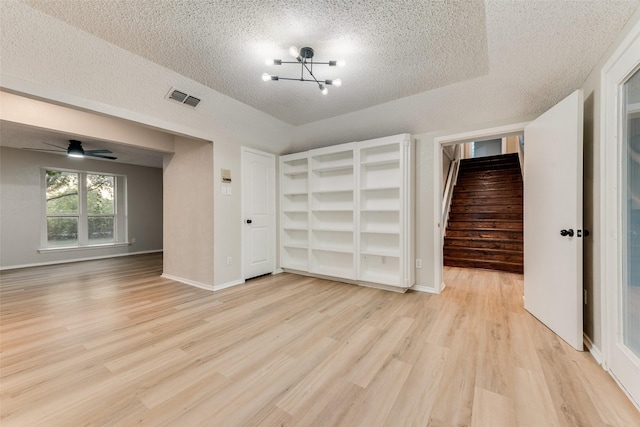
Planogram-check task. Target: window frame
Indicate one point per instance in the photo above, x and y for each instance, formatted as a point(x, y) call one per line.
point(120, 216)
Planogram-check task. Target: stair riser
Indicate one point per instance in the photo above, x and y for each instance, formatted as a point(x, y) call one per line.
point(474, 216)
point(487, 234)
point(486, 209)
point(485, 265)
point(489, 173)
point(510, 168)
point(507, 192)
point(485, 244)
point(488, 201)
point(481, 225)
point(483, 255)
point(474, 180)
point(483, 186)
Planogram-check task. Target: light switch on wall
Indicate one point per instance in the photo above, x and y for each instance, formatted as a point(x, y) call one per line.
point(223, 190)
point(228, 190)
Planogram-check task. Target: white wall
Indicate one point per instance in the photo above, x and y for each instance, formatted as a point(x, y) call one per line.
point(21, 206)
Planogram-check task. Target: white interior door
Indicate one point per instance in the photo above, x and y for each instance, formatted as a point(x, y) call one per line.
point(553, 205)
point(258, 208)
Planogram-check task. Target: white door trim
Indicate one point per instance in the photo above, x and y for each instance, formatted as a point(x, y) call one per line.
point(438, 143)
point(620, 66)
point(243, 151)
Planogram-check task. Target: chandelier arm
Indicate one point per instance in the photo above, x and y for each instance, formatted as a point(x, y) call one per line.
point(297, 80)
point(310, 72)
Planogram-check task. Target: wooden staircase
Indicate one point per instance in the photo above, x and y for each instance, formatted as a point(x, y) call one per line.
point(485, 219)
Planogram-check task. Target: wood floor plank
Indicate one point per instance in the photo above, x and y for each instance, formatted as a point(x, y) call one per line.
point(110, 342)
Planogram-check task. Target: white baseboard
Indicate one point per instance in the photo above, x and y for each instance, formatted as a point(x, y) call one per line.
point(595, 351)
point(66, 261)
point(188, 282)
point(278, 271)
point(228, 285)
point(421, 288)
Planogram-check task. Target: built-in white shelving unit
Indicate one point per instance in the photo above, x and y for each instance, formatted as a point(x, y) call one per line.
point(332, 237)
point(294, 212)
point(347, 212)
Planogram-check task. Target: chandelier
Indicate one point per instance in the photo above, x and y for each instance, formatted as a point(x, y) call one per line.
point(304, 57)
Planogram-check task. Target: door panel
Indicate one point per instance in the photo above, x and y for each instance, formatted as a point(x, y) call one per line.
point(258, 205)
point(553, 202)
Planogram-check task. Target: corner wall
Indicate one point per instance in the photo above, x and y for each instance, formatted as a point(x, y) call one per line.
point(188, 213)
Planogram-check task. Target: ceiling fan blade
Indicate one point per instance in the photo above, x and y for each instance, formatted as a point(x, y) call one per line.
point(98, 151)
point(53, 145)
point(43, 149)
point(99, 156)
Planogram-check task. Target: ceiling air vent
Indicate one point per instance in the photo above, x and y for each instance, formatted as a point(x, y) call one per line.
point(183, 98)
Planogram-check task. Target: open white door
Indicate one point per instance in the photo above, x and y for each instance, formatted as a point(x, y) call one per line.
point(553, 219)
point(258, 209)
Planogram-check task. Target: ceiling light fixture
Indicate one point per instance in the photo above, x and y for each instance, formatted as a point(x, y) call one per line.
point(75, 149)
point(304, 57)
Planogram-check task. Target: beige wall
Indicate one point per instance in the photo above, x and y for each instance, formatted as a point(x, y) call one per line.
point(512, 144)
point(21, 207)
point(188, 212)
point(228, 216)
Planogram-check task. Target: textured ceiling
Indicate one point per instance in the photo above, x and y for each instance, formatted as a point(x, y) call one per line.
point(393, 49)
point(13, 135)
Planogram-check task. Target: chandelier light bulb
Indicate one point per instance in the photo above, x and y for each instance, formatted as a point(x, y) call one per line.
point(293, 51)
point(336, 82)
point(341, 63)
point(323, 89)
point(266, 77)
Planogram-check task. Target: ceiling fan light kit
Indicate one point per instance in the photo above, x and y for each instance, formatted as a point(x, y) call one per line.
point(304, 58)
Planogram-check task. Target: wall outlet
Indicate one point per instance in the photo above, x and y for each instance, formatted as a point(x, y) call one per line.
point(133, 240)
point(418, 263)
point(229, 260)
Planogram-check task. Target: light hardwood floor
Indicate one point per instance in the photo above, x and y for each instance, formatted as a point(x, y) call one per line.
point(111, 343)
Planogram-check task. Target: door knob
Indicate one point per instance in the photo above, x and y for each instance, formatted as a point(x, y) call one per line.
point(249, 221)
point(568, 232)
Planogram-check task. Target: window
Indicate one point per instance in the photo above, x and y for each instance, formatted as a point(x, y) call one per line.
point(83, 209)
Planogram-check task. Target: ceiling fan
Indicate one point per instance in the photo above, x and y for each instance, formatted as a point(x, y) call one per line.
point(75, 150)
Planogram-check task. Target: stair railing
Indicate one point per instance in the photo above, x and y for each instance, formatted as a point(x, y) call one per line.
point(521, 154)
point(452, 177)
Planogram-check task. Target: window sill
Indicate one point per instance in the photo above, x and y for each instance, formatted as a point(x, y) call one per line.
point(83, 248)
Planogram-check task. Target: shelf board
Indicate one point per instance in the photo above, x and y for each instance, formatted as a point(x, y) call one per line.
point(295, 211)
point(396, 233)
point(332, 210)
point(332, 191)
point(295, 194)
point(391, 187)
point(295, 173)
point(322, 169)
point(381, 253)
point(379, 210)
point(294, 266)
point(340, 230)
point(381, 162)
point(294, 228)
point(295, 246)
point(329, 249)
